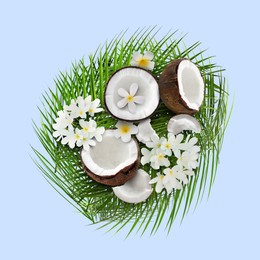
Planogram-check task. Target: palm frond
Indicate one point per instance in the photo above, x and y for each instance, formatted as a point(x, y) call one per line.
point(62, 168)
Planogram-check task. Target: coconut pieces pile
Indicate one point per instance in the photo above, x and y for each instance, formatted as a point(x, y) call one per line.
point(113, 156)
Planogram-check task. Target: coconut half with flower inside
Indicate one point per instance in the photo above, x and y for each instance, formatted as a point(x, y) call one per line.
point(111, 162)
point(132, 94)
point(182, 87)
point(136, 190)
point(183, 122)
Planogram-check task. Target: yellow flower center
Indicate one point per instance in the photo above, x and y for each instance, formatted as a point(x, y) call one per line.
point(171, 172)
point(130, 98)
point(168, 146)
point(161, 177)
point(159, 156)
point(81, 113)
point(85, 129)
point(84, 138)
point(124, 129)
point(159, 145)
point(90, 110)
point(77, 136)
point(143, 62)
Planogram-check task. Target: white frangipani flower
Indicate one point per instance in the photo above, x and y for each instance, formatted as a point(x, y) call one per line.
point(85, 141)
point(175, 143)
point(189, 159)
point(129, 98)
point(159, 182)
point(172, 177)
point(156, 142)
point(81, 109)
point(189, 143)
point(159, 159)
point(125, 130)
point(143, 61)
point(71, 137)
point(94, 107)
point(88, 127)
point(147, 155)
point(99, 133)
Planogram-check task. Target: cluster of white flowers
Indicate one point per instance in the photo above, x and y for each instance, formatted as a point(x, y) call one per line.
point(73, 125)
point(185, 151)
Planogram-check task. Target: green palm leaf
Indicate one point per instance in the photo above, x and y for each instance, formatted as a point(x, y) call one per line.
point(62, 168)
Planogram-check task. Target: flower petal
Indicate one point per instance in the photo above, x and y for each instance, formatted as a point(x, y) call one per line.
point(139, 99)
point(132, 107)
point(133, 89)
point(122, 103)
point(122, 92)
point(149, 55)
point(137, 55)
point(126, 138)
point(150, 65)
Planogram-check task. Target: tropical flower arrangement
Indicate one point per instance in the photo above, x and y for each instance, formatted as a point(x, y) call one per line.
point(136, 133)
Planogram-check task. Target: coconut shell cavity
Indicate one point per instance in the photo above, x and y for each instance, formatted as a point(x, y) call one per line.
point(111, 162)
point(131, 94)
point(182, 87)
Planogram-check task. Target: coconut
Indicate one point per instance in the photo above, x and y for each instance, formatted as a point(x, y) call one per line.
point(182, 122)
point(145, 87)
point(145, 131)
point(111, 161)
point(136, 190)
point(182, 87)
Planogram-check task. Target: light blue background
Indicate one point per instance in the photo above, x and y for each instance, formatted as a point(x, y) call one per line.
point(39, 38)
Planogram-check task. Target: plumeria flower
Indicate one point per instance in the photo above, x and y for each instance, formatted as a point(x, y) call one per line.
point(143, 61)
point(72, 137)
point(125, 130)
point(159, 159)
point(99, 133)
point(171, 181)
point(82, 108)
point(184, 173)
point(72, 107)
point(189, 159)
point(189, 143)
point(147, 155)
point(129, 98)
point(94, 107)
point(175, 143)
point(156, 141)
point(62, 122)
point(159, 182)
point(85, 141)
point(88, 127)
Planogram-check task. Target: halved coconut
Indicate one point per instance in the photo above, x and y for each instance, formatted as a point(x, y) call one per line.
point(111, 162)
point(182, 122)
point(182, 87)
point(136, 190)
point(147, 90)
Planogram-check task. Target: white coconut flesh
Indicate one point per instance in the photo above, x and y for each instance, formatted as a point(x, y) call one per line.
point(136, 190)
point(182, 122)
point(145, 131)
point(147, 88)
point(110, 156)
point(191, 85)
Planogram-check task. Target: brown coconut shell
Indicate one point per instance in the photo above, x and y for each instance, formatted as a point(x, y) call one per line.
point(118, 179)
point(169, 89)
